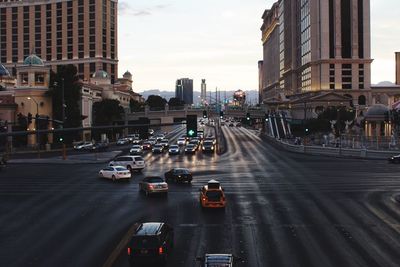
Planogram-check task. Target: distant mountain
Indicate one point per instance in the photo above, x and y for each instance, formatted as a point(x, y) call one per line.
point(252, 95)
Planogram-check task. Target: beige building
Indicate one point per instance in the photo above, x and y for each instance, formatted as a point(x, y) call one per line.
point(316, 46)
point(79, 32)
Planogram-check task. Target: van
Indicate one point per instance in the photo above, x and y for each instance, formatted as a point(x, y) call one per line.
point(130, 162)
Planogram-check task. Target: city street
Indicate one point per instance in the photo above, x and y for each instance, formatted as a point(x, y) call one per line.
point(283, 209)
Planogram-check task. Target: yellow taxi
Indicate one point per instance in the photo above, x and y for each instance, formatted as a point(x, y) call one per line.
point(212, 195)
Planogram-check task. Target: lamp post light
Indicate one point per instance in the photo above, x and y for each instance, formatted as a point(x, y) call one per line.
point(37, 124)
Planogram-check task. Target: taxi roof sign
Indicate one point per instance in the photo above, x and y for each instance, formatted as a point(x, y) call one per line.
point(213, 184)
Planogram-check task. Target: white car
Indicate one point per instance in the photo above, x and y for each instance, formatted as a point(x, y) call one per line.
point(115, 173)
point(123, 141)
point(181, 141)
point(160, 137)
point(152, 141)
point(173, 150)
point(130, 162)
point(84, 146)
point(136, 150)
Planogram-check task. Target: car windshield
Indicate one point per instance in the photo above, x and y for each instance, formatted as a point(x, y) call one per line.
point(174, 147)
point(135, 147)
point(214, 195)
point(182, 171)
point(158, 146)
point(155, 180)
point(209, 143)
point(120, 169)
point(138, 158)
point(190, 146)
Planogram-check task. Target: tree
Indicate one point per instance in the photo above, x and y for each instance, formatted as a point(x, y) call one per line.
point(136, 106)
point(107, 111)
point(66, 78)
point(175, 102)
point(156, 101)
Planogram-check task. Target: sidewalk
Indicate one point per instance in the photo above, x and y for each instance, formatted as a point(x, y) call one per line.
point(88, 158)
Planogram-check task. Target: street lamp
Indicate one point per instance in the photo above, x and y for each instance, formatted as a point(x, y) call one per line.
point(37, 124)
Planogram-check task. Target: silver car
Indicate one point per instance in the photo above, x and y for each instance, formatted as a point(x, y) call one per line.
point(136, 150)
point(153, 184)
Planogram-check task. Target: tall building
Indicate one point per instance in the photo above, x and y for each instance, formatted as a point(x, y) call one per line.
point(78, 32)
point(203, 94)
point(184, 90)
point(312, 45)
point(398, 68)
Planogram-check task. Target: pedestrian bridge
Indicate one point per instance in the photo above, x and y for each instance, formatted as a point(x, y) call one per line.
point(174, 114)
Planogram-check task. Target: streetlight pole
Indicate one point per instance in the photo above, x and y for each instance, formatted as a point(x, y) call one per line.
point(37, 125)
point(63, 103)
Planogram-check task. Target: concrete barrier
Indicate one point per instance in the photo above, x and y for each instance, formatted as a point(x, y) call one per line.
point(334, 152)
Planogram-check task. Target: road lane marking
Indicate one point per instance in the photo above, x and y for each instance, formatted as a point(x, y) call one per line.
point(121, 246)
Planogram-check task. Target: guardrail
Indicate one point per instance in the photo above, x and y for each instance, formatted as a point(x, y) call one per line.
point(331, 151)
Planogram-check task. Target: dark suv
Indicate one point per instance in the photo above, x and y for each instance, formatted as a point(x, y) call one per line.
point(151, 243)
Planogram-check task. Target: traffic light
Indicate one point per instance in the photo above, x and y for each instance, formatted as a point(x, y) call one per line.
point(205, 114)
point(248, 116)
point(29, 118)
point(221, 114)
point(61, 139)
point(191, 126)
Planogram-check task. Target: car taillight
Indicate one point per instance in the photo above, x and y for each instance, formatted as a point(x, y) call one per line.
point(129, 251)
point(160, 250)
point(151, 186)
point(204, 199)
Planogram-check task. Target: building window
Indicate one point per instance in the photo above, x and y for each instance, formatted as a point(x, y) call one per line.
point(24, 78)
point(345, 7)
point(39, 78)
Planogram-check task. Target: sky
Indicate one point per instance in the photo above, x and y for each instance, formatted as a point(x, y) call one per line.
point(220, 41)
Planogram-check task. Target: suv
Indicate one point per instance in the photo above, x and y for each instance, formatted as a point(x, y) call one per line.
point(225, 260)
point(151, 243)
point(130, 162)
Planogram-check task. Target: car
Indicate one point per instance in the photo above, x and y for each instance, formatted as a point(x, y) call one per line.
point(211, 260)
point(132, 137)
point(394, 159)
point(146, 145)
point(115, 173)
point(178, 175)
point(136, 141)
point(181, 141)
point(123, 141)
point(165, 143)
point(152, 141)
point(174, 150)
point(212, 195)
point(222, 123)
point(190, 149)
point(130, 162)
point(212, 139)
point(151, 131)
point(195, 143)
point(208, 146)
point(136, 150)
point(153, 185)
point(160, 137)
point(151, 243)
point(158, 148)
point(83, 146)
point(98, 147)
point(231, 124)
point(238, 124)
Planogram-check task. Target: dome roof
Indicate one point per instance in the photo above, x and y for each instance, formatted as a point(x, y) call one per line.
point(100, 74)
point(127, 74)
point(3, 71)
point(377, 110)
point(33, 60)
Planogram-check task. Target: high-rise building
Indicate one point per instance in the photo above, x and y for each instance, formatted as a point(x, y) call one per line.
point(398, 68)
point(313, 45)
point(184, 90)
point(78, 32)
point(203, 94)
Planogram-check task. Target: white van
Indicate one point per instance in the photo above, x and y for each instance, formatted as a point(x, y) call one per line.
point(130, 162)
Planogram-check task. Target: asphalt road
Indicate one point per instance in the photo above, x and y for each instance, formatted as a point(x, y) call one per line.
point(283, 210)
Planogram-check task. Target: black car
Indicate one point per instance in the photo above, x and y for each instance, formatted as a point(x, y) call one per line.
point(208, 146)
point(394, 159)
point(158, 148)
point(99, 147)
point(150, 243)
point(178, 175)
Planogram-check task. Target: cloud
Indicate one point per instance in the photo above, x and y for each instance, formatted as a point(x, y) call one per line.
point(126, 9)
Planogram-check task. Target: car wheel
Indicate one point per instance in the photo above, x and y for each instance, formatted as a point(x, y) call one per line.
point(113, 178)
point(129, 168)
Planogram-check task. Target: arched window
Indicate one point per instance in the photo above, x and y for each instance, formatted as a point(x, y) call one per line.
point(362, 100)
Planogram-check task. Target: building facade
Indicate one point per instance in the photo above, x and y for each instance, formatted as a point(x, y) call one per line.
point(184, 90)
point(311, 46)
point(203, 95)
point(79, 32)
